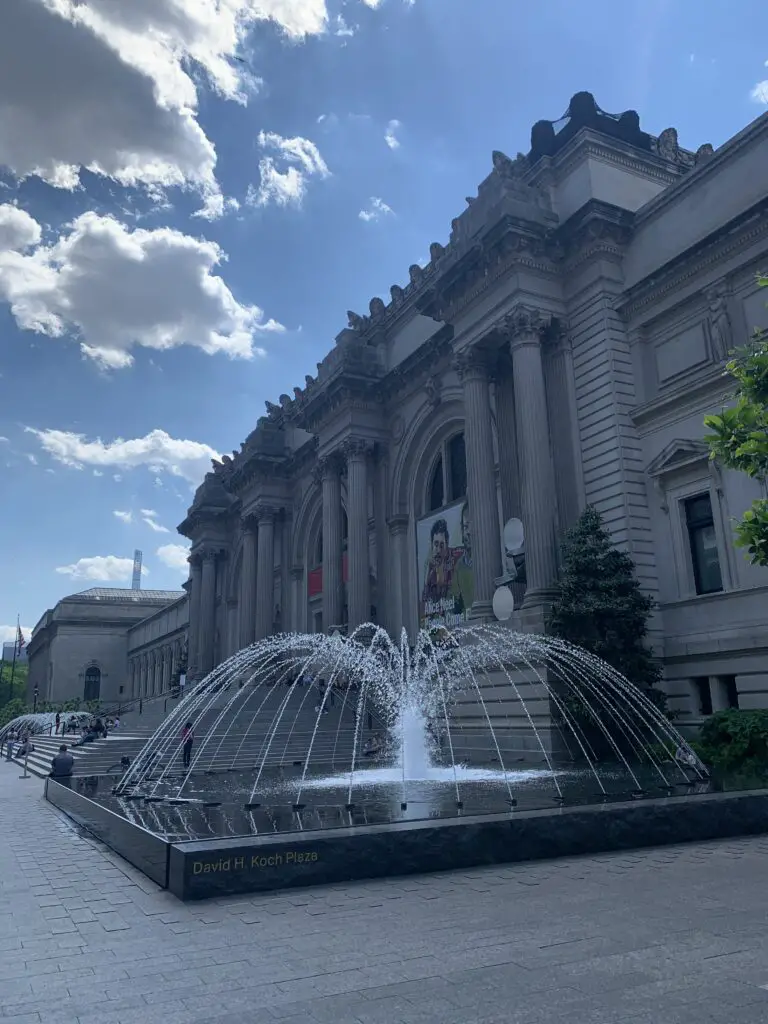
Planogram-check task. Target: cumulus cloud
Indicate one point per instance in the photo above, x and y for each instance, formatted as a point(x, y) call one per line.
point(113, 87)
point(760, 92)
point(117, 288)
point(174, 556)
point(299, 159)
point(18, 231)
point(124, 517)
point(390, 136)
point(149, 516)
point(375, 210)
point(8, 634)
point(101, 568)
point(157, 451)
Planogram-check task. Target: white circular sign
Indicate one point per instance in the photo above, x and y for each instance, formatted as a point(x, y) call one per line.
point(514, 536)
point(503, 604)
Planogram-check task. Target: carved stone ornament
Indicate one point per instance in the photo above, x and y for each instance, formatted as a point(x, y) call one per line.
point(720, 329)
point(524, 323)
point(355, 321)
point(704, 153)
point(377, 308)
point(436, 251)
point(397, 429)
point(265, 513)
point(471, 364)
point(356, 448)
point(433, 387)
point(508, 168)
point(415, 273)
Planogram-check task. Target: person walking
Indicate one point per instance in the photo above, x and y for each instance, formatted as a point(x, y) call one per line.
point(58, 722)
point(187, 739)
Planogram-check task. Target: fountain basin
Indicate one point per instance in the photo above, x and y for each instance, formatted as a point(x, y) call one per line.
point(292, 848)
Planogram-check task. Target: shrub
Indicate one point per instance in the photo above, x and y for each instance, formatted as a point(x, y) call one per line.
point(736, 741)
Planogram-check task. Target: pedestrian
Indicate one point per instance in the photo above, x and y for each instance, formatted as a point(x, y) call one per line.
point(58, 722)
point(187, 739)
point(62, 763)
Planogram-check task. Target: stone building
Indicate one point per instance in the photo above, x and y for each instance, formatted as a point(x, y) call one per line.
point(562, 348)
point(80, 648)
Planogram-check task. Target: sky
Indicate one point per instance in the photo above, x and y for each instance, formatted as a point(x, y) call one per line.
point(193, 193)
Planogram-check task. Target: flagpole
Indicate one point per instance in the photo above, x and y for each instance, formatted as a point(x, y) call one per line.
point(13, 663)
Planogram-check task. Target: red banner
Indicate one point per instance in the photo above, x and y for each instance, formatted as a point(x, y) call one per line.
point(315, 577)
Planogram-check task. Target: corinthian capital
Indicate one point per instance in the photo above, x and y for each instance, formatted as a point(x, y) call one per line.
point(356, 448)
point(471, 364)
point(525, 324)
point(328, 466)
point(265, 513)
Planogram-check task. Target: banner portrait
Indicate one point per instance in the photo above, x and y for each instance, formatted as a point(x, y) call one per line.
point(446, 577)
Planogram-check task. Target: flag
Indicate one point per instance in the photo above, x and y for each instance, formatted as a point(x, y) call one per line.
point(20, 641)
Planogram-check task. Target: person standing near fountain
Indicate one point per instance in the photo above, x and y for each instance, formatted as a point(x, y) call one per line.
point(187, 739)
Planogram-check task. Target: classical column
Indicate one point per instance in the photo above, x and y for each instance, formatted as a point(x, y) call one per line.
point(332, 542)
point(287, 621)
point(265, 570)
point(524, 329)
point(298, 598)
point(166, 669)
point(481, 481)
point(380, 504)
point(207, 622)
point(356, 451)
point(194, 591)
point(398, 576)
point(247, 601)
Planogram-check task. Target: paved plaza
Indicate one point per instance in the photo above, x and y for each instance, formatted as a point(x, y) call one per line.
point(664, 936)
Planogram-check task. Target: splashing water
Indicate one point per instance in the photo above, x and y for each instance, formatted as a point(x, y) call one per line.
point(396, 715)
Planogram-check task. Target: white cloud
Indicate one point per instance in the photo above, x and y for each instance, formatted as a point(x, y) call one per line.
point(32, 458)
point(124, 517)
point(377, 209)
point(18, 231)
point(157, 450)
point(174, 556)
point(149, 516)
point(760, 92)
point(8, 634)
point(101, 568)
point(4, 440)
point(390, 136)
point(113, 86)
point(341, 28)
point(301, 160)
point(117, 288)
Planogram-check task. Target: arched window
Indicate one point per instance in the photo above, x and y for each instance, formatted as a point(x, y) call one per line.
point(436, 498)
point(457, 468)
point(92, 688)
point(448, 482)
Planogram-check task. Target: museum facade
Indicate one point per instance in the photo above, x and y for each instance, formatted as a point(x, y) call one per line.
point(561, 349)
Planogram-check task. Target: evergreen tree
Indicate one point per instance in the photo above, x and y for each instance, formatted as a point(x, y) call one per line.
point(600, 605)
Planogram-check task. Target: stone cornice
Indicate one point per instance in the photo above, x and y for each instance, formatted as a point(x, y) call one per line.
point(419, 365)
point(597, 229)
point(690, 266)
point(589, 143)
point(706, 168)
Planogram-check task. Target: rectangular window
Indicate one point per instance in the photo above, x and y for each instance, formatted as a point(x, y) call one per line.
point(703, 540)
point(704, 695)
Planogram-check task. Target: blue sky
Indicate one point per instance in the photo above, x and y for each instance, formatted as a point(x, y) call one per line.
point(138, 337)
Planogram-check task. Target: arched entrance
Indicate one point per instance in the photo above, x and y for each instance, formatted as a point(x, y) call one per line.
point(92, 689)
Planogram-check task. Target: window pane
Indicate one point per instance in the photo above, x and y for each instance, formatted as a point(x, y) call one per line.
point(698, 511)
point(458, 468)
point(436, 487)
point(706, 563)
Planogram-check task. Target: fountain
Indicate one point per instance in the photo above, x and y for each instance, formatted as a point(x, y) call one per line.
point(321, 757)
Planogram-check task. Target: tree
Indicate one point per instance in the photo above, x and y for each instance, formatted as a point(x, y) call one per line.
point(739, 438)
point(600, 605)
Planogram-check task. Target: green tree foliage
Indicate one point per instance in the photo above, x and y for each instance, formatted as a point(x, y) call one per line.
point(19, 681)
point(12, 710)
point(739, 438)
point(600, 605)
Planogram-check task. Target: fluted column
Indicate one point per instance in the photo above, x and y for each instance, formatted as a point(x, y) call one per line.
point(524, 329)
point(481, 482)
point(194, 591)
point(398, 577)
point(298, 599)
point(380, 504)
point(332, 543)
point(247, 600)
point(356, 451)
point(207, 613)
point(265, 570)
